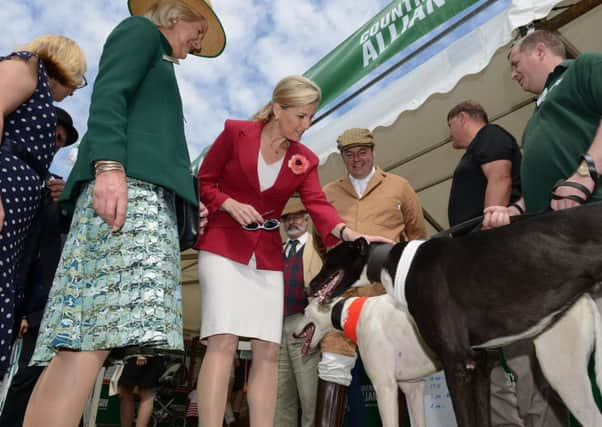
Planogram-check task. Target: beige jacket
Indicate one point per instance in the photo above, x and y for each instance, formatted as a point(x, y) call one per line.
point(388, 208)
point(312, 263)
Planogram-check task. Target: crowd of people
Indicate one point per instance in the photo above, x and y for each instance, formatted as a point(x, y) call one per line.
point(115, 290)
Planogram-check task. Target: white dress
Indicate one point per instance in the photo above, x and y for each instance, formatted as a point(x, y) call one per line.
point(236, 298)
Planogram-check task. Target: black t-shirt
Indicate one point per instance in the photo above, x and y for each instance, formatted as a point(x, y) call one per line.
point(467, 197)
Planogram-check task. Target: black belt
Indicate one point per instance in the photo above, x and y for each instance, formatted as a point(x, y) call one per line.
point(9, 146)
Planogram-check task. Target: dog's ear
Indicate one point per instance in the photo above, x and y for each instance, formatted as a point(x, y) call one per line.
point(363, 246)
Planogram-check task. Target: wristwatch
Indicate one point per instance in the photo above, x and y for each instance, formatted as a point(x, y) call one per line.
point(587, 167)
point(583, 170)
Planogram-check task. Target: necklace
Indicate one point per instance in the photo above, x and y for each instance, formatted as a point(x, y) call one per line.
point(277, 145)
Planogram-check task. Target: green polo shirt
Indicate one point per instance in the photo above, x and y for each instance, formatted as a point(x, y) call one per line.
point(562, 128)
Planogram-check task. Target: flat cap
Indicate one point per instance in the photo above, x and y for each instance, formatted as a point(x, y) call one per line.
point(355, 136)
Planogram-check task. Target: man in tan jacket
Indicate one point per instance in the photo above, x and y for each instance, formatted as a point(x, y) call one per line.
point(374, 202)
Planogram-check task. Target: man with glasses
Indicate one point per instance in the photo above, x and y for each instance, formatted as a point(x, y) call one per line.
point(373, 202)
point(297, 374)
point(42, 251)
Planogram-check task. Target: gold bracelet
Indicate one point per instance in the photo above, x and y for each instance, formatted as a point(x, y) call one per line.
point(102, 166)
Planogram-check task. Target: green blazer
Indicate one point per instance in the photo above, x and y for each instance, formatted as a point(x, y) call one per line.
point(136, 115)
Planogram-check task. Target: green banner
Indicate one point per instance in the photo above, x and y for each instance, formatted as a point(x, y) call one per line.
point(397, 26)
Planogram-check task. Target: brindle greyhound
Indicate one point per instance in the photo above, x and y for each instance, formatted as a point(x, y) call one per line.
point(482, 290)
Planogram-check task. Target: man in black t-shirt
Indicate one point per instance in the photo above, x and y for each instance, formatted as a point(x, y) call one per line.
point(489, 172)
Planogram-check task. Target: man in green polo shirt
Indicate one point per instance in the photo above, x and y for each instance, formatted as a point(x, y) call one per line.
point(562, 143)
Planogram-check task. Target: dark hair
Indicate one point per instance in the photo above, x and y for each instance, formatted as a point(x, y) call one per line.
point(549, 40)
point(470, 107)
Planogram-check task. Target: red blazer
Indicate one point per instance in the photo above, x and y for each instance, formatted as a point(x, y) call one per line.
point(230, 170)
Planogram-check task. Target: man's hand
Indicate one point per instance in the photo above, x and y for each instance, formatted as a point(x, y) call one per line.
point(110, 198)
point(563, 191)
point(496, 216)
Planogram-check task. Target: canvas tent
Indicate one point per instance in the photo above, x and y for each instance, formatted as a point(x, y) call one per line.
point(408, 115)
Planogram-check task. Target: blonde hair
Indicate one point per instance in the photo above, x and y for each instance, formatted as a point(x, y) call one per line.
point(165, 13)
point(63, 58)
point(291, 91)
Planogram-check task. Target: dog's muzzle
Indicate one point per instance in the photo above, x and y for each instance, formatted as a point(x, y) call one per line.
point(324, 293)
point(307, 334)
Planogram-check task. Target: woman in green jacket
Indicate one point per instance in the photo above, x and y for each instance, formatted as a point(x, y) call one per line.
point(117, 284)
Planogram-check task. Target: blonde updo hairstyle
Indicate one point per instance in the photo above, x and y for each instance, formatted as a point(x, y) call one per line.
point(291, 91)
point(165, 13)
point(63, 58)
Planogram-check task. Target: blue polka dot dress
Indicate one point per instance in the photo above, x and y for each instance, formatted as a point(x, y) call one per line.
point(32, 124)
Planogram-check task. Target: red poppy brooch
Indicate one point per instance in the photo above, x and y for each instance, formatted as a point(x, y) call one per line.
point(298, 164)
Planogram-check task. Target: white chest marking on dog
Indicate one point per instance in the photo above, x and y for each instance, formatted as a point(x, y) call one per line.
point(407, 256)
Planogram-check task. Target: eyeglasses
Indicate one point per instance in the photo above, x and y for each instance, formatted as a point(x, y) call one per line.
point(268, 224)
point(82, 84)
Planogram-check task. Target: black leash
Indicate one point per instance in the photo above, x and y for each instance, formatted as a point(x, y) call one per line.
point(473, 222)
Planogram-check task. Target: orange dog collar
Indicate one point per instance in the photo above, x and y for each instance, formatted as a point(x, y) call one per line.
point(353, 317)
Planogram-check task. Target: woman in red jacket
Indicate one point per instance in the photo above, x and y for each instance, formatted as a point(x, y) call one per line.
point(246, 178)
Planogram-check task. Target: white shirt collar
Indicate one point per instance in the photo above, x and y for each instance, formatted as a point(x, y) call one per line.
point(360, 184)
point(302, 240)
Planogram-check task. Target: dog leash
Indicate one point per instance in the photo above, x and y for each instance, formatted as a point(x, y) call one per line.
point(471, 223)
point(463, 226)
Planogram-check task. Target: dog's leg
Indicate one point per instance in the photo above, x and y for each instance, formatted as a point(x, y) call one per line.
point(380, 367)
point(414, 393)
point(386, 399)
point(563, 352)
point(481, 377)
point(443, 327)
point(460, 382)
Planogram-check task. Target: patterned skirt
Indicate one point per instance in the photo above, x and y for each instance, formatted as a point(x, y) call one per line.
point(116, 290)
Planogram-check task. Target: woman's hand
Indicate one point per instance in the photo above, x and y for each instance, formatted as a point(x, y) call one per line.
point(56, 187)
point(203, 217)
point(23, 328)
point(110, 198)
point(1, 215)
point(350, 235)
point(241, 212)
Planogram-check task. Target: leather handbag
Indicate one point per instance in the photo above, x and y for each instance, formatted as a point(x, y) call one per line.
point(187, 216)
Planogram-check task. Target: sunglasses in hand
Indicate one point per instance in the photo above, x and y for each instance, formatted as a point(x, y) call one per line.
point(268, 224)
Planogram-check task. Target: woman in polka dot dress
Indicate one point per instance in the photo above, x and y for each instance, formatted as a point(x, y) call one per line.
point(48, 69)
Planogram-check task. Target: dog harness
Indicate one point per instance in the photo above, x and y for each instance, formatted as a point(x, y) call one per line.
point(353, 317)
point(403, 267)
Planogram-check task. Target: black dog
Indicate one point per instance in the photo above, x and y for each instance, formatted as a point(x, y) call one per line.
point(484, 289)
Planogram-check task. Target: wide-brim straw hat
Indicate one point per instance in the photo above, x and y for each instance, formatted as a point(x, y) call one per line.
point(214, 41)
point(294, 205)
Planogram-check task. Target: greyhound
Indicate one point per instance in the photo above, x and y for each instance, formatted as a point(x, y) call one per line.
point(392, 352)
point(487, 290)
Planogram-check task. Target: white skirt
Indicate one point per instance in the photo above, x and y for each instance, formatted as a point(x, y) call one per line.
point(238, 299)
